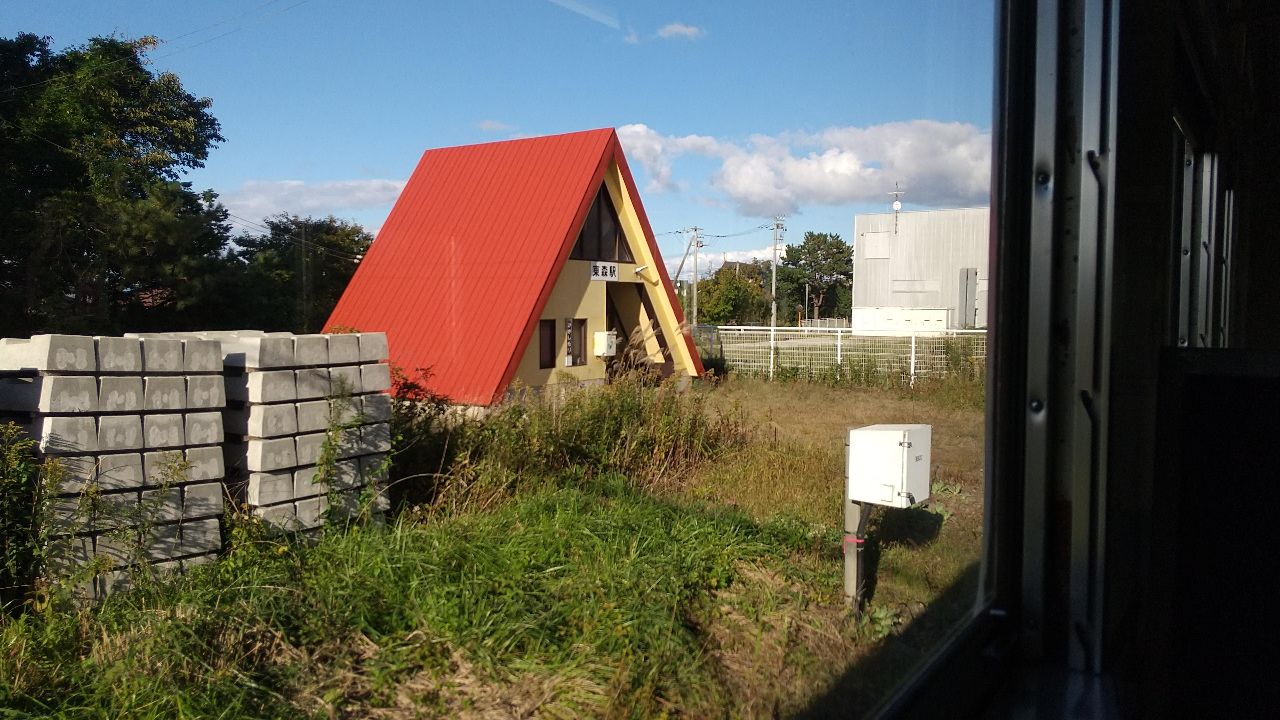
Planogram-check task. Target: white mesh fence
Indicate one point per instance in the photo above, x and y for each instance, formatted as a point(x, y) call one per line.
point(840, 353)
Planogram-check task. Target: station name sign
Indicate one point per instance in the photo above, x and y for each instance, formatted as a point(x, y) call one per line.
point(606, 271)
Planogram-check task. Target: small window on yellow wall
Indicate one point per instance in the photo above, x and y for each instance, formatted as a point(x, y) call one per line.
point(546, 344)
point(575, 342)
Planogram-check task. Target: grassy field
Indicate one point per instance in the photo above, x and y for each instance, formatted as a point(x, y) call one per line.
point(628, 552)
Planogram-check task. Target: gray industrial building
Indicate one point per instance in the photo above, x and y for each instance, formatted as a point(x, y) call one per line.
point(924, 259)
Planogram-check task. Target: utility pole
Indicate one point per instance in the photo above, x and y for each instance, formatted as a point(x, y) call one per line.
point(696, 244)
point(773, 294)
point(897, 206)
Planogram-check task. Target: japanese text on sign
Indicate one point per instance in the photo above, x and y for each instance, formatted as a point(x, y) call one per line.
point(606, 271)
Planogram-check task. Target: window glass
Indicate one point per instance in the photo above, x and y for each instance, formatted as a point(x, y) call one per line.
point(577, 352)
point(546, 344)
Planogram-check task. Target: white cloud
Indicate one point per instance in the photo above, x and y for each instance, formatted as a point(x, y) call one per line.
point(680, 31)
point(631, 38)
point(710, 260)
point(494, 126)
point(937, 164)
point(655, 152)
point(257, 199)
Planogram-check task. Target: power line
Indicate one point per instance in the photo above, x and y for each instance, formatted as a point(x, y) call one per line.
point(740, 233)
point(100, 72)
point(311, 243)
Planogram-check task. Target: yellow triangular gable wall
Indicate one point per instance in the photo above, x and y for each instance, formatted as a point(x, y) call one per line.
point(644, 257)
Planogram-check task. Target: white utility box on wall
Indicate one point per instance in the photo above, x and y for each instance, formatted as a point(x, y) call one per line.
point(888, 464)
point(606, 343)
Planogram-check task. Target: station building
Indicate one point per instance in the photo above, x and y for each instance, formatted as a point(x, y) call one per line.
point(525, 262)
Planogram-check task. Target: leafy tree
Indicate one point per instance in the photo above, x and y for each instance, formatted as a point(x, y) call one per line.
point(734, 295)
point(825, 262)
point(299, 268)
point(98, 234)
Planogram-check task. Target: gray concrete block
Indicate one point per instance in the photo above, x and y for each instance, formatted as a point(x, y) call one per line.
point(254, 352)
point(311, 511)
point(269, 488)
point(346, 474)
point(120, 471)
point(344, 410)
point(120, 432)
point(375, 407)
point(201, 536)
point(65, 555)
point(121, 547)
point(281, 517)
point(306, 482)
point(375, 377)
point(263, 421)
point(308, 448)
point(268, 386)
point(116, 510)
point(164, 467)
point(76, 472)
point(120, 394)
point(205, 463)
point(347, 503)
point(50, 394)
point(162, 505)
point(195, 561)
point(345, 380)
point(349, 443)
point(313, 383)
point(164, 393)
point(206, 391)
point(70, 515)
point(373, 469)
point(375, 438)
point(344, 349)
point(203, 428)
point(265, 455)
point(161, 355)
point(313, 416)
point(201, 356)
point(202, 500)
point(311, 349)
point(65, 435)
point(167, 567)
point(112, 582)
point(162, 430)
point(49, 353)
point(373, 346)
point(119, 354)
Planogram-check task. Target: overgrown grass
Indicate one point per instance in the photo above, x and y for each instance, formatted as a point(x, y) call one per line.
point(649, 433)
point(628, 551)
point(597, 590)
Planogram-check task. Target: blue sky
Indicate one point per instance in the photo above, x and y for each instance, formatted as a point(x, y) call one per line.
point(728, 112)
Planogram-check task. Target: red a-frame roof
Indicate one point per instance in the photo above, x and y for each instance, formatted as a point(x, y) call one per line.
point(462, 268)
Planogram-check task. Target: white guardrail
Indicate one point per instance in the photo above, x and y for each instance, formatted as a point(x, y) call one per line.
point(765, 351)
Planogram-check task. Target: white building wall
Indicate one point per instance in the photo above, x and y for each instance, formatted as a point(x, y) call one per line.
point(918, 261)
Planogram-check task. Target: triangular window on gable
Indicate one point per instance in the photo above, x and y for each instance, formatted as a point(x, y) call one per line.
point(601, 237)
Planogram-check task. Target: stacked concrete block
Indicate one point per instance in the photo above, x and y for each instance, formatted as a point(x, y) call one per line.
point(306, 422)
point(124, 416)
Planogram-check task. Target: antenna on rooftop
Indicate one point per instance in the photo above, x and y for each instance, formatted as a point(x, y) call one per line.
point(897, 194)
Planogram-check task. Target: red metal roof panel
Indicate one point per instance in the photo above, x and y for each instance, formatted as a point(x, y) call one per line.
point(463, 266)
